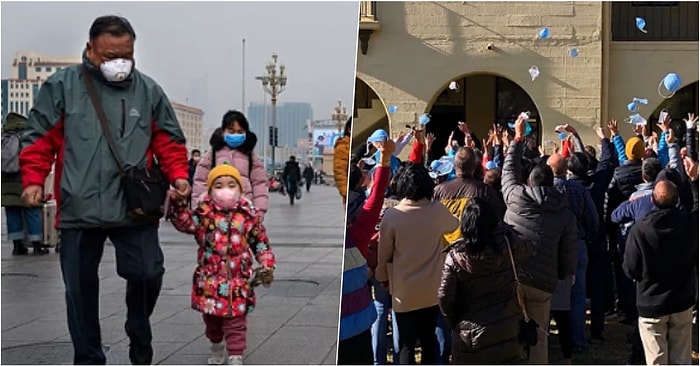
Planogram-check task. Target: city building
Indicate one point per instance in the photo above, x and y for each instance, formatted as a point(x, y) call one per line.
point(471, 61)
point(192, 124)
point(29, 71)
point(290, 120)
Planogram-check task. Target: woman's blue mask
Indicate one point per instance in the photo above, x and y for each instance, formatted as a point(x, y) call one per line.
point(234, 140)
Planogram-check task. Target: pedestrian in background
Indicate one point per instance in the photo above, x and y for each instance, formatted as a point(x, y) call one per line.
point(21, 218)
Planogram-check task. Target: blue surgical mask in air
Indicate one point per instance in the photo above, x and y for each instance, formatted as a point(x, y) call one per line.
point(234, 140)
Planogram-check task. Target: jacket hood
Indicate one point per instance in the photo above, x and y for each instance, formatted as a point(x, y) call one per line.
point(14, 122)
point(660, 225)
point(546, 199)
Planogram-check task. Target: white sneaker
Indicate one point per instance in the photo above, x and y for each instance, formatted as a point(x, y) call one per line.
point(218, 354)
point(235, 360)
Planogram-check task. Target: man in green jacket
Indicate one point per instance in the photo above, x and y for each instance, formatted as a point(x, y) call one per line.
point(19, 216)
point(63, 127)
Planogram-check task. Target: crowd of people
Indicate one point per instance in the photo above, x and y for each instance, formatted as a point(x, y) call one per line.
point(476, 255)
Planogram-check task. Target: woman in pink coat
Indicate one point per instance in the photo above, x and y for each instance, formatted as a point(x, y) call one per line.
point(233, 144)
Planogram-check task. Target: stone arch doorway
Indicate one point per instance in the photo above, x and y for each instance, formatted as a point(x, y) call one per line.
point(369, 113)
point(481, 100)
point(679, 105)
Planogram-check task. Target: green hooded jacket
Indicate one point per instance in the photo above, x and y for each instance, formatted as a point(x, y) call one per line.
point(63, 127)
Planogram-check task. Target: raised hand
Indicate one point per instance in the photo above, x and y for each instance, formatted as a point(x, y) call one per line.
point(691, 122)
point(520, 127)
point(612, 126)
point(691, 168)
point(669, 136)
point(601, 133)
point(429, 139)
point(463, 127)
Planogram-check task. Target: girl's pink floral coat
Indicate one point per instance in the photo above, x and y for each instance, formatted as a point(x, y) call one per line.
point(227, 240)
point(255, 184)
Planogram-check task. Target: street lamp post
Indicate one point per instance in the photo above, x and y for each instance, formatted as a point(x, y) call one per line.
point(274, 83)
point(340, 115)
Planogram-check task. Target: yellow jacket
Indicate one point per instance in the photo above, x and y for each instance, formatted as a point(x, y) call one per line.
point(341, 160)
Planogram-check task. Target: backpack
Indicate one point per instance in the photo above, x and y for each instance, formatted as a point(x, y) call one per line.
point(11, 146)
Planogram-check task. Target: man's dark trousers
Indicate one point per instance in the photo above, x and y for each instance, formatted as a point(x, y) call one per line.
point(139, 261)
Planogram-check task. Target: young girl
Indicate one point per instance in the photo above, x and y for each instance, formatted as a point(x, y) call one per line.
point(229, 233)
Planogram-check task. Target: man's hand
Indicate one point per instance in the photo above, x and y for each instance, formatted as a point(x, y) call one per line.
point(639, 130)
point(541, 150)
point(32, 196)
point(401, 136)
point(669, 136)
point(520, 127)
point(691, 121)
point(664, 125)
point(386, 148)
point(463, 127)
point(182, 189)
point(691, 168)
point(601, 133)
point(429, 139)
point(612, 126)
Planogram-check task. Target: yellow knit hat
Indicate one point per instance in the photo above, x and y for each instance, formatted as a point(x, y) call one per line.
point(221, 171)
point(634, 149)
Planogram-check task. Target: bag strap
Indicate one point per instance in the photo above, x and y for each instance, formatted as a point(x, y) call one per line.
point(97, 104)
point(517, 280)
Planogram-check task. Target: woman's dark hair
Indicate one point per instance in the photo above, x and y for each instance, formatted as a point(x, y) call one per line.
point(477, 224)
point(348, 127)
point(354, 177)
point(493, 178)
point(395, 178)
point(415, 183)
point(217, 138)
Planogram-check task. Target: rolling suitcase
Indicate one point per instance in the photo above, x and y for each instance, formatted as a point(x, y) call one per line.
point(51, 237)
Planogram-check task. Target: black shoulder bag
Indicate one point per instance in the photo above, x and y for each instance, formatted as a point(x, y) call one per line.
point(528, 327)
point(145, 189)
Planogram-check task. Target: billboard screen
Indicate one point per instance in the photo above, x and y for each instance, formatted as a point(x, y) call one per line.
point(324, 141)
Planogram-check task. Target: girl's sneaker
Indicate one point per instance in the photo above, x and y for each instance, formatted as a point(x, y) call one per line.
point(218, 354)
point(235, 360)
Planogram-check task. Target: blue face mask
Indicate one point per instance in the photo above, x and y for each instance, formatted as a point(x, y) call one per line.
point(234, 140)
point(367, 192)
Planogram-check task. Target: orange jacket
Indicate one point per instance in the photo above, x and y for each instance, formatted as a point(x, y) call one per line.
point(341, 160)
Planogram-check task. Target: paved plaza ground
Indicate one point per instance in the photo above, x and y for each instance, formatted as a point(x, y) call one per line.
point(295, 321)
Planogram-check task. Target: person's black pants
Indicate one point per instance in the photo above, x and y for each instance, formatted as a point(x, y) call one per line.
point(139, 261)
point(566, 341)
point(308, 185)
point(418, 325)
point(356, 350)
point(598, 265)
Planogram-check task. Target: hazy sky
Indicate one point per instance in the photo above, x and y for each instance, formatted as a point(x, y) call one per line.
point(193, 50)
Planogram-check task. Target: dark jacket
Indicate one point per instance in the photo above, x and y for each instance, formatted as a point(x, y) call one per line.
point(456, 193)
point(477, 296)
point(662, 257)
point(12, 183)
point(597, 184)
point(623, 184)
point(582, 206)
point(63, 127)
point(193, 168)
point(540, 215)
point(309, 173)
point(291, 175)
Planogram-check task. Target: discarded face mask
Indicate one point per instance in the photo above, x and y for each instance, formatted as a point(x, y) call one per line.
point(453, 86)
point(423, 119)
point(633, 107)
point(543, 33)
point(636, 119)
point(534, 72)
point(393, 109)
point(573, 52)
point(640, 23)
point(671, 82)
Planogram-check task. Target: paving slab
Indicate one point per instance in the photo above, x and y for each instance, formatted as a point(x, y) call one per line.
point(295, 321)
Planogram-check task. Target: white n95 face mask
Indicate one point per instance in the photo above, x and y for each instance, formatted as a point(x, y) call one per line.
point(116, 70)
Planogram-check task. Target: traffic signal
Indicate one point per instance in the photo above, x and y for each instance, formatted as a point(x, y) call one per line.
point(274, 137)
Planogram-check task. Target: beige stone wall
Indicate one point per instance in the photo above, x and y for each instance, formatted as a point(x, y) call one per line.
point(422, 46)
point(636, 68)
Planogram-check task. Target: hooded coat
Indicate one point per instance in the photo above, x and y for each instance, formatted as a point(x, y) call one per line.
point(541, 216)
point(478, 297)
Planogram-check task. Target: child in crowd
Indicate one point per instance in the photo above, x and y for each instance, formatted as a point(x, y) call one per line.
point(229, 234)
